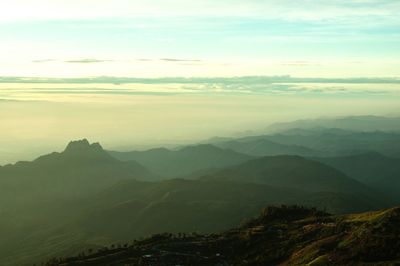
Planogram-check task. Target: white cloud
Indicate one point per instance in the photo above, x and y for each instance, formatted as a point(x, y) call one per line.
point(250, 37)
point(27, 10)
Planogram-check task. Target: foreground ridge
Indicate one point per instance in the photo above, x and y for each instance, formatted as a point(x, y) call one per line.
point(286, 235)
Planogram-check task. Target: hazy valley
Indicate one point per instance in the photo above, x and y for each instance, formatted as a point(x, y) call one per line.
point(200, 133)
point(87, 198)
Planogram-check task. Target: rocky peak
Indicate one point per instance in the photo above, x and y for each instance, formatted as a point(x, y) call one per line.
point(82, 145)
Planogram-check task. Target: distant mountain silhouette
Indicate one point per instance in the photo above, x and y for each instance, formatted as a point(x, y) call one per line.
point(83, 197)
point(80, 169)
point(82, 148)
point(320, 141)
point(40, 196)
point(297, 173)
point(288, 171)
point(278, 236)
point(264, 147)
point(185, 161)
point(374, 169)
point(353, 123)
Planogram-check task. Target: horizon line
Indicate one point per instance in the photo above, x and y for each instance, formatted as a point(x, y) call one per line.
point(177, 79)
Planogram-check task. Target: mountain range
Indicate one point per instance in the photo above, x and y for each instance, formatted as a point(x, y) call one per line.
point(79, 170)
point(85, 197)
point(363, 123)
point(184, 161)
point(315, 142)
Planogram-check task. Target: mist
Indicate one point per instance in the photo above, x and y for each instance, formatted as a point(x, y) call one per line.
point(37, 118)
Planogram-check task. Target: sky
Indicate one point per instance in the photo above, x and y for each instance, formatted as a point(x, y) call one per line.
point(158, 38)
point(139, 74)
point(38, 116)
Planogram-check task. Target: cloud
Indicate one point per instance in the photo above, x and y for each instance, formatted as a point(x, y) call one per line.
point(244, 80)
point(43, 61)
point(51, 91)
point(87, 61)
point(179, 60)
point(75, 61)
point(252, 35)
point(299, 63)
point(27, 10)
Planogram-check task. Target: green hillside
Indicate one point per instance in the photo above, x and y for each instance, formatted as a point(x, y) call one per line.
point(83, 198)
point(294, 172)
point(373, 169)
point(279, 236)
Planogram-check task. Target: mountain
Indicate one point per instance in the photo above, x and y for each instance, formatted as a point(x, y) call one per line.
point(85, 198)
point(185, 161)
point(40, 196)
point(264, 147)
point(181, 205)
point(315, 142)
point(374, 169)
point(352, 123)
point(278, 236)
point(134, 209)
point(79, 170)
point(299, 173)
point(288, 171)
point(333, 141)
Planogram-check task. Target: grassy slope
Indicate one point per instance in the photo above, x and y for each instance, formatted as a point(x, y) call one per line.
point(279, 236)
point(373, 169)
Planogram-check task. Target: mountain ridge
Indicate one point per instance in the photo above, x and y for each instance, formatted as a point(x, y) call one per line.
point(372, 168)
point(184, 161)
point(286, 235)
